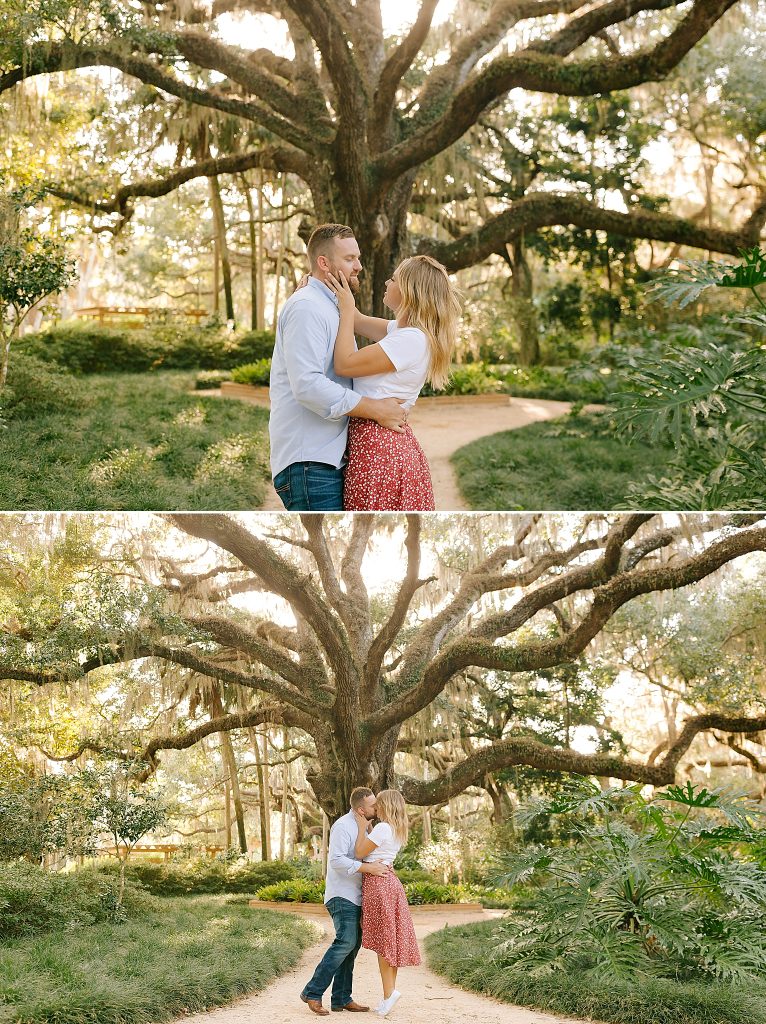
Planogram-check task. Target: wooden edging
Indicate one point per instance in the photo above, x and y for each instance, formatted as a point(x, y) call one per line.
point(260, 393)
point(318, 908)
point(230, 389)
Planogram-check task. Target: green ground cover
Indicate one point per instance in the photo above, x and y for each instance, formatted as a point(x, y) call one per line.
point(461, 955)
point(132, 441)
point(574, 463)
point(189, 954)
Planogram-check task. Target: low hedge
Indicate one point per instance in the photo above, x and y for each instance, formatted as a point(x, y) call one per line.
point(34, 900)
point(202, 876)
point(257, 373)
point(420, 893)
point(89, 348)
point(35, 388)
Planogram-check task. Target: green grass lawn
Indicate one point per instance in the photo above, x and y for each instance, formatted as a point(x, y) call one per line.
point(191, 954)
point(576, 462)
point(139, 441)
point(462, 955)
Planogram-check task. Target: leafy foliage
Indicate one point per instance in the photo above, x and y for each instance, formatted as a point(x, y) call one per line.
point(33, 900)
point(709, 399)
point(666, 886)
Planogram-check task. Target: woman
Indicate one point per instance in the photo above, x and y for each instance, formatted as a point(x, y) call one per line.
point(386, 470)
point(387, 926)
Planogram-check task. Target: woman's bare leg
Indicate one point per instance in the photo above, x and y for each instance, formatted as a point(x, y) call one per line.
point(387, 976)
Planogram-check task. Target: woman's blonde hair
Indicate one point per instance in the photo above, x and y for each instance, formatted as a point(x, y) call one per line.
point(392, 808)
point(431, 302)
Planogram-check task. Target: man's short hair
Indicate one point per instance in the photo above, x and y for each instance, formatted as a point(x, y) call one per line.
point(322, 240)
point(359, 795)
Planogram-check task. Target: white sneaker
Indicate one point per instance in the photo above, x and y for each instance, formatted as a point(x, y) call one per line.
point(388, 1004)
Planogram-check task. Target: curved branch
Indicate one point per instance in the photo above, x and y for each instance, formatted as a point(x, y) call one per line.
point(534, 754)
point(44, 58)
point(278, 158)
point(483, 651)
point(278, 574)
point(548, 73)
point(542, 209)
point(398, 63)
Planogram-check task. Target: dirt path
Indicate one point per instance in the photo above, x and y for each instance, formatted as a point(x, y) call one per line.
point(426, 997)
point(444, 424)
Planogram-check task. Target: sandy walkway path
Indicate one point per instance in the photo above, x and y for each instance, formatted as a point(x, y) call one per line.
point(443, 425)
point(427, 998)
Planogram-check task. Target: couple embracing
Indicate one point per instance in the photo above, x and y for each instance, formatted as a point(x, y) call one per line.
point(338, 426)
point(366, 901)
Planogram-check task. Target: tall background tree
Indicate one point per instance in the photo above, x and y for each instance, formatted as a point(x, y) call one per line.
point(469, 672)
point(356, 116)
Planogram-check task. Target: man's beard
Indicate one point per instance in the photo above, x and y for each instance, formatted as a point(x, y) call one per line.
point(353, 282)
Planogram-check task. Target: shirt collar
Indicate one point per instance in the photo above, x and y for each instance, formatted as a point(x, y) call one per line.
point(314, 282)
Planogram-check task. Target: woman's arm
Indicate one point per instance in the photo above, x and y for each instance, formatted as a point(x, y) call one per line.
point(347, 361)
point(364, 846)
point(373, 327)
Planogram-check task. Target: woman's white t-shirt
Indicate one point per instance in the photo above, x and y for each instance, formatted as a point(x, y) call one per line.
point(407, 348)
point(387, 844)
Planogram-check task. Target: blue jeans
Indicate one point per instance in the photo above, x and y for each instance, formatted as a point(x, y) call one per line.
point(310, 487)
point(337, 965)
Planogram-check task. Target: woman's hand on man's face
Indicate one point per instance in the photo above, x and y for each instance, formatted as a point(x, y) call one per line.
point(340, 286)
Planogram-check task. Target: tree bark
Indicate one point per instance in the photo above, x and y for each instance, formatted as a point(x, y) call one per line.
point(219, 222)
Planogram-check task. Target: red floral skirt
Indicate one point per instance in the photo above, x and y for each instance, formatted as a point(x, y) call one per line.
point(387, 926)
point(386, 472)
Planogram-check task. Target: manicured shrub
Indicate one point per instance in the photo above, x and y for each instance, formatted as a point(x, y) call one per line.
point(207, 380)
point(204, 876)
point(255, 345)
point(35, 388)
point(294, 890)
point(421, 893)
point(90, 348)
point(252, 373)
point(34, 900)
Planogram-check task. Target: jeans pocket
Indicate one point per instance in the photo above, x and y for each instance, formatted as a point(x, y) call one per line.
point(283, 487)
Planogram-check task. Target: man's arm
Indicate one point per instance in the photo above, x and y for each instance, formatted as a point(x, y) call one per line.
point(305, 351)
point(339, 860)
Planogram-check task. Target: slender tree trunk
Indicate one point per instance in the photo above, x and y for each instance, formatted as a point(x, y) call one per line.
point(219, 222)
point(281, 253)
point(522, 290)
point(285, 787)
point(260, 319)
point(227, 811)
point(230, 763)
point(253, 255)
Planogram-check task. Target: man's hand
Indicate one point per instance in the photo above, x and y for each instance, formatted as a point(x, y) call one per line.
point(376, 867)
point(390, 413)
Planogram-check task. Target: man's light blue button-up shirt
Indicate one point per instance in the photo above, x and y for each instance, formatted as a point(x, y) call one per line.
point(310, 403)
point(343, 878)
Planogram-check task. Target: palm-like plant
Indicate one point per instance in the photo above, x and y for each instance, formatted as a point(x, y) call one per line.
point(710, 399)
point(667, 886)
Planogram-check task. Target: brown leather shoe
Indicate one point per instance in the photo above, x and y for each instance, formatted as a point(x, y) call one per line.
point(354, 1007)
point(315, 1005)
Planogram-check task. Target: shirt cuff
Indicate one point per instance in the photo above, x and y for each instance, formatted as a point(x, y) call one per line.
point(354, 867)
point(345, 405)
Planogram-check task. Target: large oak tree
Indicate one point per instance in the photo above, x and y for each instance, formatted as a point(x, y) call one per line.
point(352, 670)
point(343, 115)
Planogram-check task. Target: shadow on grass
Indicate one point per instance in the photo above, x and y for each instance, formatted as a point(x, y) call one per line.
point(137, 441)
point(574, 463)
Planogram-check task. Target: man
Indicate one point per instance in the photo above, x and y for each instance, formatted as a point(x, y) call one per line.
point(310, 403)
point(343, 899)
